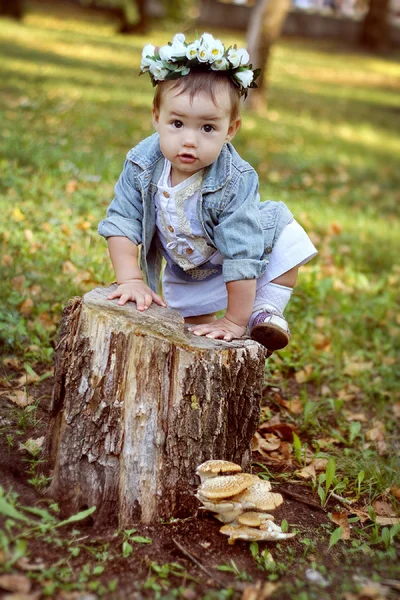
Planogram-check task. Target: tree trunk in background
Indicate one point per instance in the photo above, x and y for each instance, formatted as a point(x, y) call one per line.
point(12, 8)
point(264, 29)
point(138, 403)
point(374, 32)
point(130, 10)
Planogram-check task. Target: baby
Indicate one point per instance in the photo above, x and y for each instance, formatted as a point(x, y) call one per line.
point(186, 195)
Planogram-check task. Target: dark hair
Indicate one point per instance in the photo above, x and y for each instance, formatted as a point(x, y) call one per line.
point(201, 81)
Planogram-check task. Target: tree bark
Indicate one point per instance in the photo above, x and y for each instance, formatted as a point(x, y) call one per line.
point(374, 32)
point(138, 404)
point(264, 29)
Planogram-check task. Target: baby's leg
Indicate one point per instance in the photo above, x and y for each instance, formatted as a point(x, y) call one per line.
point(274, 289)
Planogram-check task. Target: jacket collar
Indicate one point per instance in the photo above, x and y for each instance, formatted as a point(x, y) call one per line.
point(147, 153)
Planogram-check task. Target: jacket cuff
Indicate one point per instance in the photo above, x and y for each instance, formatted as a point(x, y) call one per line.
point(119, 227)
point(243, 268)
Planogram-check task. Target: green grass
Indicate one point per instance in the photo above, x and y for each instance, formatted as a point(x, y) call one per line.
point(71, 106)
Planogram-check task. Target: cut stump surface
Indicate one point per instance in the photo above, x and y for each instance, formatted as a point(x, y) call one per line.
point(138, 404)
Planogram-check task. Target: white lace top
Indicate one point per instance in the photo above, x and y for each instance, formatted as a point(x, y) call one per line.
point(179, 229)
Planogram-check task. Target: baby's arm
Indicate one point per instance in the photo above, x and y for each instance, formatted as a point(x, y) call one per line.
point(233, 325)
point(124, 257)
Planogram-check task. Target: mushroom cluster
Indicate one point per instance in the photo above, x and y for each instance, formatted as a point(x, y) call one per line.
point(239, 500)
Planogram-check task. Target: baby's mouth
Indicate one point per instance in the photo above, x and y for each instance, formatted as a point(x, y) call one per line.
point(187, 157)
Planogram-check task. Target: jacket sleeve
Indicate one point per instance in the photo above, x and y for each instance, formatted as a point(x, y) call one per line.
point(239, 233)
point(125, 213)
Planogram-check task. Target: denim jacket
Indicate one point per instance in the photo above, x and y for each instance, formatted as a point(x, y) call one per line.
point(243, 229)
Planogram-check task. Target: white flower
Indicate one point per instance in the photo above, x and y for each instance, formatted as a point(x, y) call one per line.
point(147, 55)
point(179, 38)
point(210, 48)
point(220, 65)
point(158, 70)
point(165, 53)
point(204, 54)
point(178, 47)
point(191, 50)
point(244, 77)
point(238, 57)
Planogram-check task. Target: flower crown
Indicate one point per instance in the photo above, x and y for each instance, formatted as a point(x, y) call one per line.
point(178, 58)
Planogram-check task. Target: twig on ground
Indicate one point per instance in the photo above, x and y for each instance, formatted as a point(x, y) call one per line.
point(198, 563)
point(299, 498)
point(340, 498)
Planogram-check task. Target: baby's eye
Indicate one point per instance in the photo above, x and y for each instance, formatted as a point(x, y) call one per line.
point(208, 128)
point(177, 124)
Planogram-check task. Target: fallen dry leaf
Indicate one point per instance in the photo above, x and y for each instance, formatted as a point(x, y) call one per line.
point(306, 473)
point(15, 583)
point(305, 374)
point(12, 363)
point(68, 267)
point(261, 444)
point(20, 398)
point(383, 508)
point(376, 433)
point(396, 410)
point(353, 368)
point(259, 591)
point(18, 282)
point(283, 430)
point(355, 417)
point(25, 565)
point(387, 520)
point(396, 492)
point(343, 522)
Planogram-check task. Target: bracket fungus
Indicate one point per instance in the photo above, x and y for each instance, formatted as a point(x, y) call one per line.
point(271, 533)
point(213, 468)
point(238, 501)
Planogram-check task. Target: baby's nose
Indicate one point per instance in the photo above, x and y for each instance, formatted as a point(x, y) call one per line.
point(190, 139)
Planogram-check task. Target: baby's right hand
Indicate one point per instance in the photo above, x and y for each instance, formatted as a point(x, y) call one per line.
point(137, 291)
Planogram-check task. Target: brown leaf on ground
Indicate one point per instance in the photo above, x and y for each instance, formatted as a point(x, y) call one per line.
point(13, 363)
point(68, 267)
point(14, 582)
point(305, 374)
point(383, 508)
point(294, 405)
point(396, 410)
point(355, 417)
point(25, 565)
point(395, 491)
point(355, 367)
point(259, 591)
point(341, 519)
point(18, 282)
point(387, 520)
point(376, 433)
point(307, 473)
point(283, 430)
point(265, 444)
point(26, 308)
point(20, 398)
point(26, 379)
point(362, 514)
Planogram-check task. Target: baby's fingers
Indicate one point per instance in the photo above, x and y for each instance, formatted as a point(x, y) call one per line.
point(158, 300)
point(143, 301)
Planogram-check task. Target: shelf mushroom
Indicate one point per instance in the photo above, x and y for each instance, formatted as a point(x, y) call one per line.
point(213, 468)
point(238, 500)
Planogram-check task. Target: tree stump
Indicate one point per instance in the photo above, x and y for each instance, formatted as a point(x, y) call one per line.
point(138, 404)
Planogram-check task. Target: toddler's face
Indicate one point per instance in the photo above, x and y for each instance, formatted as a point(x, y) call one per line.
point(192, 133)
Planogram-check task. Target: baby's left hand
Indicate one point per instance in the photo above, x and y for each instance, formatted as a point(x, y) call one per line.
point(222, 329)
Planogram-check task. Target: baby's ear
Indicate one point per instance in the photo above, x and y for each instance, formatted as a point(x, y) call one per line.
point(233, 129)
point(156, 115)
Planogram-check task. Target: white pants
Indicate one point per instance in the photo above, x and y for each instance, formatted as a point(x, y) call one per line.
point(293, 248)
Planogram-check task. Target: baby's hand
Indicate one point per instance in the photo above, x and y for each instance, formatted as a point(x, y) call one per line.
point(137, 291)
point(220, 329)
